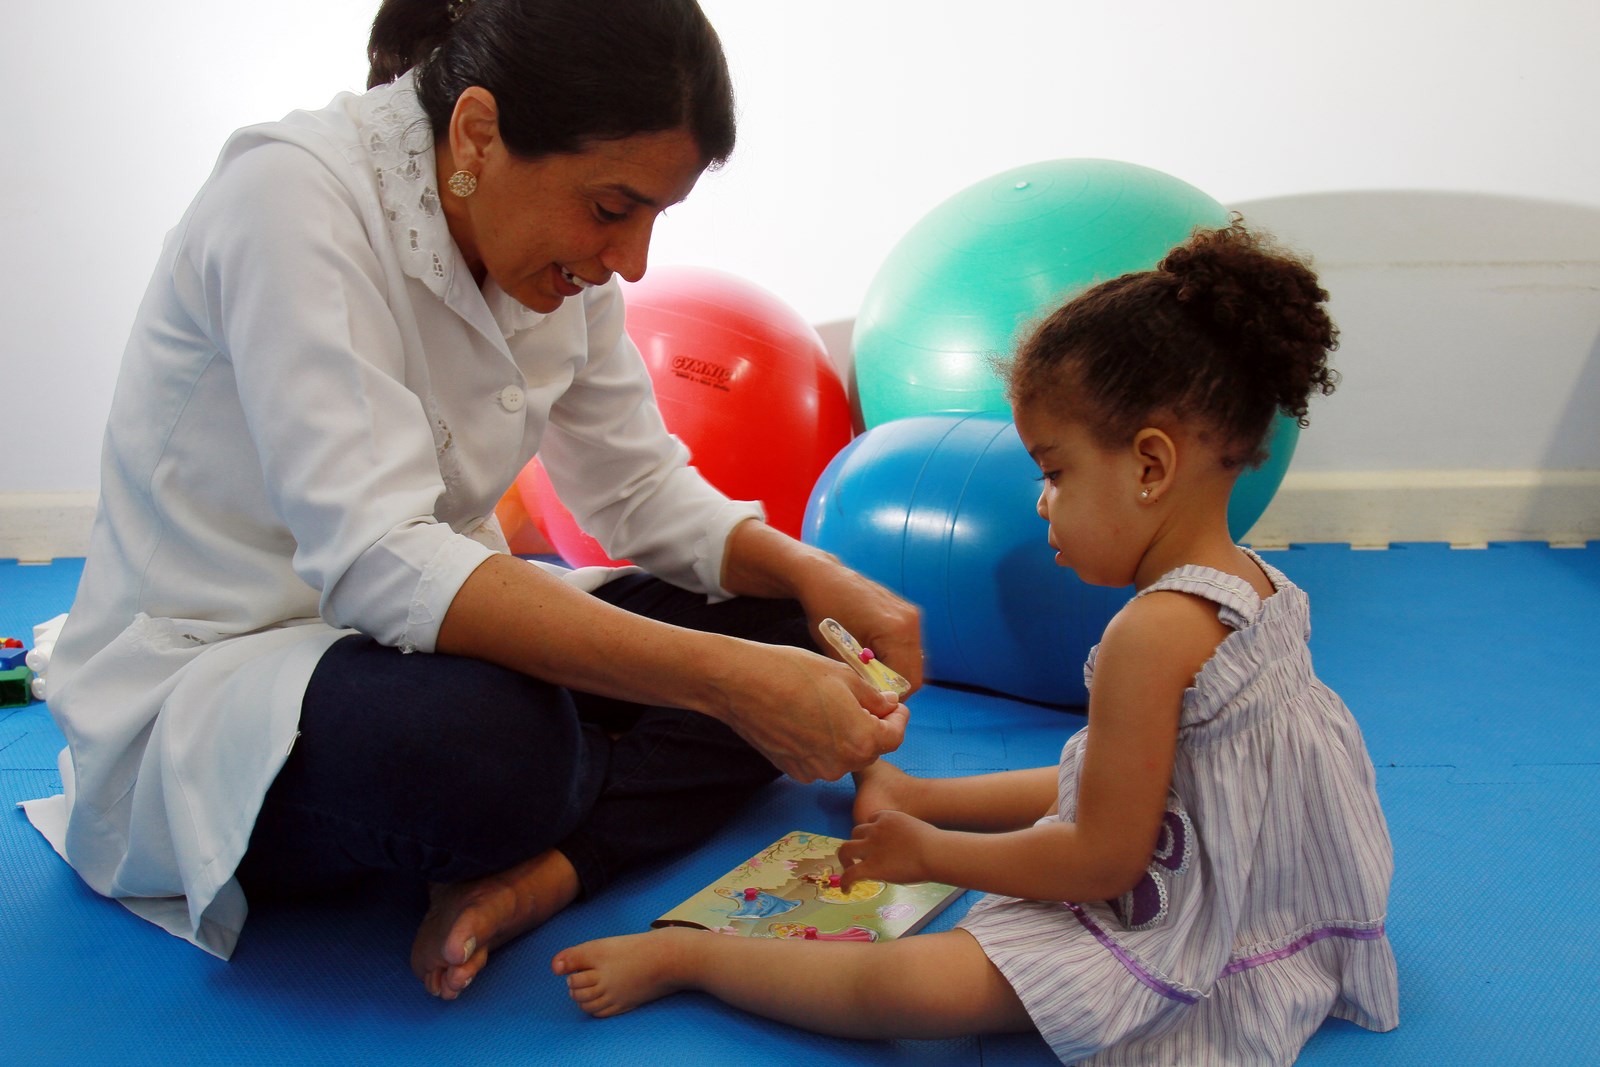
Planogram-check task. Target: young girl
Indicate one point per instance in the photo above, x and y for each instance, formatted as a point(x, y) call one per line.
point(1204, 878)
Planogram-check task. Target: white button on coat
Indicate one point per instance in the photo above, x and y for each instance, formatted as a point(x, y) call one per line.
point(511, 398)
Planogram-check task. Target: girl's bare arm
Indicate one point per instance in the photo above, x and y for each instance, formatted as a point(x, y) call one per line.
point(1150, 655)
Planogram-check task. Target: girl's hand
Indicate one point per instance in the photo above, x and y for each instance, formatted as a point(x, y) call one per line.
point(889, 847)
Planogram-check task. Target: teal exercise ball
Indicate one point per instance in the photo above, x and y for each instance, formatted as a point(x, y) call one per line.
point(1255, 488)
point(996, 257)
point(975, 273)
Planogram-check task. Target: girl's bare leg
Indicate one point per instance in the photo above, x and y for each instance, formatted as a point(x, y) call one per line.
point(927, 986)
point(467, 919)
point(881, 786)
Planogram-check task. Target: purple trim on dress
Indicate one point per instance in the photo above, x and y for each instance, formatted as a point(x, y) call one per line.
point(1171, 992)
point(1352, 932)
point(1134, 967)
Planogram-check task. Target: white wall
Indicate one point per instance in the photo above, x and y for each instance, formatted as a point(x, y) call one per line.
point(1327, 121)
point(114, 115)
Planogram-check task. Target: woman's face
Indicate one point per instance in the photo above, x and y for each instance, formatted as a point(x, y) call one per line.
point(544, 230)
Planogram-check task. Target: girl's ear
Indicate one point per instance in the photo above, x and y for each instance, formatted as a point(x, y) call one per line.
point(1157, 457)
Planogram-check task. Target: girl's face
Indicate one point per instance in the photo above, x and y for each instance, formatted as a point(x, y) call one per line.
point(1089, 496)
point(546, 229)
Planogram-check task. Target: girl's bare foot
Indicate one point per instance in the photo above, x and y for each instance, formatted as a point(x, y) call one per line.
point(617, 974)
point(467, 919)
point(882, 786)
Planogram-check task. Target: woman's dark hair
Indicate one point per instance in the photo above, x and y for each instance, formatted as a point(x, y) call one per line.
point(564, 73)
point(1227, 330)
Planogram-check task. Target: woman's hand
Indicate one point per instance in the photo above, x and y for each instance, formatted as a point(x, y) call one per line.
point(889, 847)
point(761, 561)
point(813, 717)
point(882, 621)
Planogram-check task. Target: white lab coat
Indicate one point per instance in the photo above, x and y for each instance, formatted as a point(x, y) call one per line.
point(317, 412)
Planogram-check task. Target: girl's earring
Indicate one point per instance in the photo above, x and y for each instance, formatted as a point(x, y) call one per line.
point(1144, 494)
point(463, 183)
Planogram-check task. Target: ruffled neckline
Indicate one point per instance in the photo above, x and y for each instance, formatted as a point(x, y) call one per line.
point(1239, 603)
point(1262, 630)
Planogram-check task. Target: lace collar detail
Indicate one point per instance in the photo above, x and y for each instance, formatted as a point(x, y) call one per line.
point(399, 147)
point(399, 144)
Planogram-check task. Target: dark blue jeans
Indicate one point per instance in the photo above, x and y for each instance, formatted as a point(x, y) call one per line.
point(450, 769)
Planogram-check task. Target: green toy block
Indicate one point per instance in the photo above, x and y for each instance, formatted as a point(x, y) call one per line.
point(14, 687)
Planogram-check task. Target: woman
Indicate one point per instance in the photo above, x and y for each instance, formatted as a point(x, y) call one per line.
point(368, 321)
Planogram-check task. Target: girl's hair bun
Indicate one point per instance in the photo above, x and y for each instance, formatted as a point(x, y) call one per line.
point(1264, 307)
point(1226, 331)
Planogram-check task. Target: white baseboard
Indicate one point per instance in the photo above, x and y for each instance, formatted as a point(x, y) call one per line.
point(37, 527)
point(1467, 508)
point(1354, 507)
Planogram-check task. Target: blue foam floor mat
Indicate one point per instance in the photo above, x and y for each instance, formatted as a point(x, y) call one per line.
point(1474, 675)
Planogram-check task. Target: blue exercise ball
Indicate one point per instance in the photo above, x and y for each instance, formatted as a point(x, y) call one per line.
point(941, 509)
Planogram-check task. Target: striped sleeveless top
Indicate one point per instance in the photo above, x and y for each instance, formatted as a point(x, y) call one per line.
point(1262, 911)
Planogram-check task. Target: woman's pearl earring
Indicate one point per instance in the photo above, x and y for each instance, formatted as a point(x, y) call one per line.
point(1144, 494)
point(463, 183)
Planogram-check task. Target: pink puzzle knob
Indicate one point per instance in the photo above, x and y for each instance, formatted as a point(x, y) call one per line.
point(867, 656)
point(750, 894)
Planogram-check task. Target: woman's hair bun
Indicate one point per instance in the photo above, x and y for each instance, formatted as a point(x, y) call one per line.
point(404, 33)
point(564, 74)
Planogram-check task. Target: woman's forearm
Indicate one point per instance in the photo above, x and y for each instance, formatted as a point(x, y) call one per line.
point(512, 613)
point(807, 714)
point(763, 562)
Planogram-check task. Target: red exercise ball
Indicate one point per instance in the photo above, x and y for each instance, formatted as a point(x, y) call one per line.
point(556, 523)
point(743, 381)
point(524, 534)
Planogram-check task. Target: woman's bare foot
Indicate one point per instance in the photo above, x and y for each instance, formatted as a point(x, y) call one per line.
point(467, 919)
point(617, 974)
point(882, 786)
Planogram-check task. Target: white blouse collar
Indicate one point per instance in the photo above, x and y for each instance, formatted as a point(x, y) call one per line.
point(399, 144)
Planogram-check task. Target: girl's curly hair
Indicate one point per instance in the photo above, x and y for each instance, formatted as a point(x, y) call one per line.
point(1227, 330)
